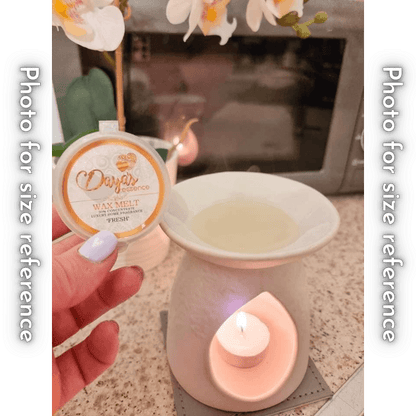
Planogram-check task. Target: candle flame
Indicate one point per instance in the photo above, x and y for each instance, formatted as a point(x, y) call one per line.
point(241, 321)
point(179, 140)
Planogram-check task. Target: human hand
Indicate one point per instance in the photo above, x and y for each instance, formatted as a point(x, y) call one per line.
point(84, 288)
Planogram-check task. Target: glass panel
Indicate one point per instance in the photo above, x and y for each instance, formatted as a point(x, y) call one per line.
point(263, 103)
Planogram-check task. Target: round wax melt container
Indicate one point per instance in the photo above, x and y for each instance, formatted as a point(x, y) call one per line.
point(111, 180)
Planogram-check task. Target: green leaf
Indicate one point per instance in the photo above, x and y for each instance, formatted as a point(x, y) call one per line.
point(88, 99)
point(163, 153)
point(78, 136)
point(59, 148)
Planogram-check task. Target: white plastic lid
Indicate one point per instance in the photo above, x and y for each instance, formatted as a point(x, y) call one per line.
point(111, 180)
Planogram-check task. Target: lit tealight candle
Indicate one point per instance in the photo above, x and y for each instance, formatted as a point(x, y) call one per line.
point(243, 340)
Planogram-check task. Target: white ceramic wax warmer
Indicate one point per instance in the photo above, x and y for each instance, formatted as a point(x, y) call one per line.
point(217, 289)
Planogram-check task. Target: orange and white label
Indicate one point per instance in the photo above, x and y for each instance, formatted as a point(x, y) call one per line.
point(113, 185)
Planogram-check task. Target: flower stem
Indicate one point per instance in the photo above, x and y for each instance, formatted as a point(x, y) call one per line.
point(109, 59)
point(309, 22)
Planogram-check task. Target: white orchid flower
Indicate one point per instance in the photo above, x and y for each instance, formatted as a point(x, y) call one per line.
point(270, 9)
point(209, 15)
point(282, 7)
point(93, 24)
point(254, 14)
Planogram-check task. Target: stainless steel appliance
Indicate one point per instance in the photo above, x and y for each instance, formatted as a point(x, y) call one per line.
point(266, 101)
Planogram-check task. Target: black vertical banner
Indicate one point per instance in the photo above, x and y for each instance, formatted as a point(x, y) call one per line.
point(26, 203)
point(390, 154)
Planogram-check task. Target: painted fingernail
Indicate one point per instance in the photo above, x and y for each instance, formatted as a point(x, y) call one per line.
point(98, 247)
point(139, 269)
point(116, 326)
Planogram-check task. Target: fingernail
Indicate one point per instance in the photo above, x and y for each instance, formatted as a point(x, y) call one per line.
point(139, 269)
point(116, 325)
point(98, 247)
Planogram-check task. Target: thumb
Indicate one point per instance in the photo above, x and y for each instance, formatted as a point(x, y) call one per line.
point(78, 272)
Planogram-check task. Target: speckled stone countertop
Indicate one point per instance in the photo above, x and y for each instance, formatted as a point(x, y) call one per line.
point(139, 381)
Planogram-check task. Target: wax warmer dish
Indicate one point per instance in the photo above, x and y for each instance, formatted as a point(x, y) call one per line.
point(212, 286)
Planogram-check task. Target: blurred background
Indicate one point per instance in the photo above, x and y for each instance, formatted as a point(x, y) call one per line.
point(267, 101)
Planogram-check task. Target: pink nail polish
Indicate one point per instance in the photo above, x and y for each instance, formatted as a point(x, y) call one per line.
point(139, 269)
point(116, 325)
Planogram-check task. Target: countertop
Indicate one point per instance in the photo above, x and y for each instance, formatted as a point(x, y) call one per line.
point(139, 381)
